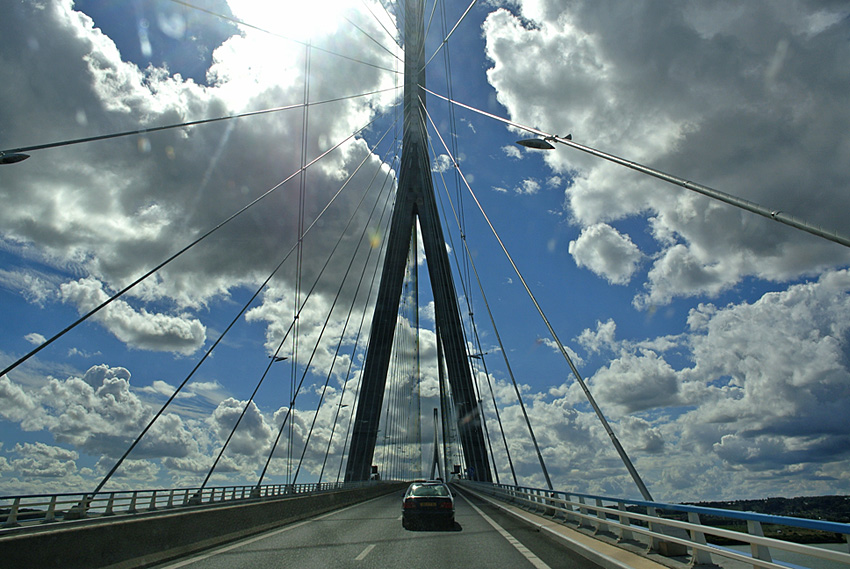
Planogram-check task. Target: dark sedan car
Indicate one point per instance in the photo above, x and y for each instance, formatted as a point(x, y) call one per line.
point(427, 502)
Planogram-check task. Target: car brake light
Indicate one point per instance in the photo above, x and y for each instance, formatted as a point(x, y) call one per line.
point(446, 505)
point(408, 504)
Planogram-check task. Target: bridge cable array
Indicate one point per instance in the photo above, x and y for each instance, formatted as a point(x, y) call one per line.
point(190, 245)
point(467, 294)
point(393, 36)
point(495, 328)
point(401, 459)
point(463, 267)
point(774, 214)
point(239, 22)
point(615, 441)
point(275, 356)
point(244, 308)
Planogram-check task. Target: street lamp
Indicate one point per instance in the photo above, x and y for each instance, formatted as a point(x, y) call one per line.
point(12, 158)
point(542, 143)
point(545, 143)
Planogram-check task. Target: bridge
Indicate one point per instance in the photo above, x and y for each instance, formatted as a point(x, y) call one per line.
point(370, 432)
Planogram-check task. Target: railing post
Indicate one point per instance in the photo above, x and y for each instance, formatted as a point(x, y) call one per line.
point(110, 505)
point(12, 517)
point(699, 557)
point(50, 516)
point(568, 507)
point(654, 542)
point(170, 503)
point(759, 551)
point(582, 522)
point(132, 508)
point(661, 546)
point(152, 505)
point(625, 534)
point(80, 510)
point(556, 506)
point(602, 524)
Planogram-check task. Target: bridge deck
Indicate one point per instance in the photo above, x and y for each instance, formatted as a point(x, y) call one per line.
point(370, 535)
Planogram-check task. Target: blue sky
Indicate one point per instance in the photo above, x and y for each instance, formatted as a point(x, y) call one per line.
point(715, 341)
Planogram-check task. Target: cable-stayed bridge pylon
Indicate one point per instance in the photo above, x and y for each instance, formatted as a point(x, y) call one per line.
point(415, 201)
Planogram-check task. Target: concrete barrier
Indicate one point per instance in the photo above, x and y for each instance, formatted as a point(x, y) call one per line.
point(138, 541)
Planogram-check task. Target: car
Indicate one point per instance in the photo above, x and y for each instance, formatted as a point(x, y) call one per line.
point(427, 502)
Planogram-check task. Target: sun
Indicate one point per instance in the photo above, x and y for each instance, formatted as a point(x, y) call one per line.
point(300, 20)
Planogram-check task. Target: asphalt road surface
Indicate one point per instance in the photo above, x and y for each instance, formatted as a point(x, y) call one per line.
point(369, 535)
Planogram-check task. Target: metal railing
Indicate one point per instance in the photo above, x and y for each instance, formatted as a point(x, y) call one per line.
point(671, 526)
point(49, 508)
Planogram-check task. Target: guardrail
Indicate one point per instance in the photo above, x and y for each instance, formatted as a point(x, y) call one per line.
point(49, 508)
point(672, 529)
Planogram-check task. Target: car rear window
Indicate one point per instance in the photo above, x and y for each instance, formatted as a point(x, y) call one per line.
point(430, 490)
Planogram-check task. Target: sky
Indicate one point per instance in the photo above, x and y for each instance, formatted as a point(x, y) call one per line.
point(715, 341)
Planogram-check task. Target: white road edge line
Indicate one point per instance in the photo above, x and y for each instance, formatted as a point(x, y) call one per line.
point(533, 559)
point(365, 552)
point(251, 540)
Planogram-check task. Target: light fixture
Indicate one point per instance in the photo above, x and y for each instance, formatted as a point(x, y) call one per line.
point(542, 143)
point(12, 158)
point(536, 143)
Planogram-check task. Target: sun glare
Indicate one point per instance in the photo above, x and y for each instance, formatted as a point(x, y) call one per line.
point(297, 19)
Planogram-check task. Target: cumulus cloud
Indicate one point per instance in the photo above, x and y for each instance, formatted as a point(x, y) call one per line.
point(141, 329)
point(637, 382)
point(254, 435)
point(743, 104)
point(606, 252)
point(512, 152)
point(761, 392)
point(602, 337)
point(34, 338)
point(98, 414)
point(529, 186)
point(748, 104)
point(39, 460)
point(442, 163)
point(114, 210)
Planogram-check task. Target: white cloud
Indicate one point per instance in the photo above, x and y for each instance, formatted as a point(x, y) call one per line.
point(113, 210)
point(254, 435)
point(512, 152)
point(678, 272)
point(763, 395)
point(677, 90)
point(442, 163)
point(552, 345)
point(34, 338)
point(528, 187)
point(602, 337)
point(141, 329)
point(606, 252)
point(636, 382)
point(38, 460)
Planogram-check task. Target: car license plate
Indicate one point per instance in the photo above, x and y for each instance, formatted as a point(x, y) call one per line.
point(428, 504)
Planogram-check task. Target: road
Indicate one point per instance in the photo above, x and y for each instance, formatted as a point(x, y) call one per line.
point(369, 535)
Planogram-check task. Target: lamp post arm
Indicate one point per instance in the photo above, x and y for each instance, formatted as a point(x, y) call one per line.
point(752, 207)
